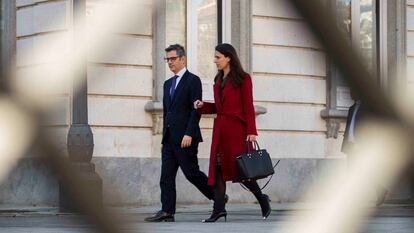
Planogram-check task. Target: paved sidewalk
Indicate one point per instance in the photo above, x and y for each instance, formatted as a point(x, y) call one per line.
point(241, 218)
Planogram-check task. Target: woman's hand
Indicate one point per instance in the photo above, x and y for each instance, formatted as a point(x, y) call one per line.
point(251, 138)
point(198, 104)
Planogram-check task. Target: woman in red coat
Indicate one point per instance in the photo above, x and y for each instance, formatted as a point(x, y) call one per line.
point(234, 125)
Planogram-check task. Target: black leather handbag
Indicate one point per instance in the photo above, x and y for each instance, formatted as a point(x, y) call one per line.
point(254, 164)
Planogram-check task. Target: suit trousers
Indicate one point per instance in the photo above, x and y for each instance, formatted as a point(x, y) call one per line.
point(173, 156)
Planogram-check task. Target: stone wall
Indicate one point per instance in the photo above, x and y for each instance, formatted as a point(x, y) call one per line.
point(289, 69)
point(289, 77)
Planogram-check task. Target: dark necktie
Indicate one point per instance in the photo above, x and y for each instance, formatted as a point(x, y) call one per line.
point(174, 83)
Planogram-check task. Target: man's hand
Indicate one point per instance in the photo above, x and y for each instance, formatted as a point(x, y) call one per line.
point(198, 104)
point(186, 142)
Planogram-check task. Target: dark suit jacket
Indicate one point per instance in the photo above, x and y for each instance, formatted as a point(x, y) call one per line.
point(179, 114)
point(360, 116)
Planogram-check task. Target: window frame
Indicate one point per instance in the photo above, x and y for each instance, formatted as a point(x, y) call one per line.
point(333, 113)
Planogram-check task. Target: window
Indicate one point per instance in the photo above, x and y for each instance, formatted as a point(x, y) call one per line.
point(194, 24)
point(199, 25)
point(357, 19)
point(175, 14)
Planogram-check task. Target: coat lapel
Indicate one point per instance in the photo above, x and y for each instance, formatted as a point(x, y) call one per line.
point(227, 88)
point(167, 93)
point(217, 99)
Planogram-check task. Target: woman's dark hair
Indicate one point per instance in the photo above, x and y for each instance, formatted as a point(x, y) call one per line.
point(236, 70)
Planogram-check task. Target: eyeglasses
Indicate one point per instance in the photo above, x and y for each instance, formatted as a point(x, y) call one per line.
point(172, 59)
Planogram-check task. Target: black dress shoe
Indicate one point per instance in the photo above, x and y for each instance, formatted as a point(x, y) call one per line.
point(161, 216)
point(265, 205)
point(216, 216)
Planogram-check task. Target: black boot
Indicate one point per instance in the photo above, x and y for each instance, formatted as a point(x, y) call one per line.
point(264, 202)
point(219, 209)
point(216, 215)
point(220, 196)
point(263, 199)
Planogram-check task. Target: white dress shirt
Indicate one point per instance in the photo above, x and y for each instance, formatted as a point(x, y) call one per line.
point(180, 75)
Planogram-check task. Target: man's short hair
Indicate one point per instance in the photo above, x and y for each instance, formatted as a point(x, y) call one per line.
point(178, 48)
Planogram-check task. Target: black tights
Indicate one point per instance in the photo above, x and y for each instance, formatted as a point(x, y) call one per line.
point(220, 189)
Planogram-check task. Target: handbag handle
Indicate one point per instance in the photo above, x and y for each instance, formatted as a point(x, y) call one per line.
point(246, 147)
point(255, 146)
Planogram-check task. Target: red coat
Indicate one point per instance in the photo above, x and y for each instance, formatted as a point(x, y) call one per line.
point(235, 120)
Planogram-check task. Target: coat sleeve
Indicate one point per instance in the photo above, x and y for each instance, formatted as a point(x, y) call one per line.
point(195, 94)
point(208, 108)
point(247, 102)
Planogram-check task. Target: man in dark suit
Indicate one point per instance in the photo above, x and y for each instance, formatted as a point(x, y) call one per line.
point(181, 134)
point(350, 144)
point(356, 114)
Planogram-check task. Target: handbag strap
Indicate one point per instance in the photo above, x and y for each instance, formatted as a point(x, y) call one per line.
point(255, 146)
point(247, 147)
point(268, 181)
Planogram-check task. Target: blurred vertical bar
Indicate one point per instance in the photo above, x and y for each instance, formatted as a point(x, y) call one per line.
point(219, 21)
point(80, 137)
point(80, 94)
point(8, 41)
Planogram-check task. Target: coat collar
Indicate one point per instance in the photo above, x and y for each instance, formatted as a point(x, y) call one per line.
point(227, 88)
point(217, 99)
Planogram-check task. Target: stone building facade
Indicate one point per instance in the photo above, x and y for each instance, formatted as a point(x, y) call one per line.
point(300, 98)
